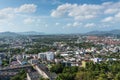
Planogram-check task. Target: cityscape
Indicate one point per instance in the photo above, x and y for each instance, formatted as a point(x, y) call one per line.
point(59, 40)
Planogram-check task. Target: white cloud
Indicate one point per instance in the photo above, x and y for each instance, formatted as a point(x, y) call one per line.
point(76, 24)
point(17, 15)
point(7, 10)
point(81, 12)
point(112, 8)
point(104, 25)
point(5, 16)
point(89, 25)
point(111, 11)
point(87, 11)
point(6, 13)
point(46, 25)
point(112, 19)
point(117, 15)
point(9, 13)
point(108, 19)
point(26, 8)
point(61, 10)
point(69, 25)
point(29, 21)
point(56, 2)
point(57, 24)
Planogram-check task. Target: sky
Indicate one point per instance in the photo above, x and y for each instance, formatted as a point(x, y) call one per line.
point(59, 16)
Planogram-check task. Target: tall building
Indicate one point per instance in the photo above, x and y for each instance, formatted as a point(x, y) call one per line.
point(42, 56)
point(50, 56)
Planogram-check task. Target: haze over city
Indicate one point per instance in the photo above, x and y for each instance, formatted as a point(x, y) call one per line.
point(59, 16)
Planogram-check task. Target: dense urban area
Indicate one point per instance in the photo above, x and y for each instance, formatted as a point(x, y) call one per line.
point(60, 57)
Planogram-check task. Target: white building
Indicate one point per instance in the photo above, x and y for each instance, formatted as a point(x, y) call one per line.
point(96, 60)
point(42, 56)
point(50, 56)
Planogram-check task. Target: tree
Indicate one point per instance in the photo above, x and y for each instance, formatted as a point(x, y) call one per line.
point(102, 77)
point(44, 79)
point(117, 77)
point(5, 62)
point(65, 76)
point(15, 78)
point(57, 68)
point(84, 76)
point(72, 69)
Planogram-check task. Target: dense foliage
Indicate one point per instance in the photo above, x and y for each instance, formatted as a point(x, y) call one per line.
point(98, 71)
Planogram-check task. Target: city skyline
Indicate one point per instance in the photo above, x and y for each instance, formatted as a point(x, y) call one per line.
point(59, 16)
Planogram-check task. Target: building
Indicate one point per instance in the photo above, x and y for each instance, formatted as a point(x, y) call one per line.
point(96, 60)
point(42, 56)
point(50, 56)
point(0, 61)
point(83, 64)
point(66, 63)
point(2, 55)
point(33, 61)
point(33, 76)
